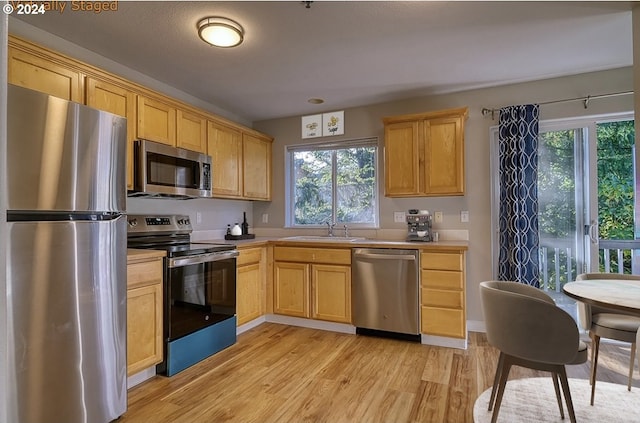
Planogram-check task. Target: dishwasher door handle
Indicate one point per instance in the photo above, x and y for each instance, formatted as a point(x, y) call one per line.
point(386, 256)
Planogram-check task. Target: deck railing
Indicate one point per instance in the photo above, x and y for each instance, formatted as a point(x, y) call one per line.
point(558, 264)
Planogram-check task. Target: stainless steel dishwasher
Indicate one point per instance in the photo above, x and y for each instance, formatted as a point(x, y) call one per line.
point(385, 292)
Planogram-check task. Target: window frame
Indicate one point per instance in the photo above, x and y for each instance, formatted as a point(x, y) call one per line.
point(330, 146)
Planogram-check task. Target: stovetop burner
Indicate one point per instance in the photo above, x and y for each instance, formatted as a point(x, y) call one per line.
point(171, 233)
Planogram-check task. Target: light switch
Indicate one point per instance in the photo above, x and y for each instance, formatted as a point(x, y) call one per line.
point(464, 216)
point(438, 217)
point(265, 217)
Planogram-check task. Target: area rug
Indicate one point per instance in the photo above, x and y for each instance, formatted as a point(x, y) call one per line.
point(534, 400)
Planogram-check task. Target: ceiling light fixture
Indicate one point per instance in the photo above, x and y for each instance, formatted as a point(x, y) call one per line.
point(220, 32)
point(315, 101)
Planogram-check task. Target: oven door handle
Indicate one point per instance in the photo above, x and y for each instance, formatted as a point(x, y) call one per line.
point(201, 258)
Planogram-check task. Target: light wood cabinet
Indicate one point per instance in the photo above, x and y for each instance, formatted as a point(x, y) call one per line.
point(313, 282)
point(242, 156)
point(242, 162)
point(144, 313)
point(424, 154)
point(442, 293)
point(250, 292)
point(107, 96)
point(256, 169)
point(42, 74)
point(191, 131)
point(156, 121)
point(224, 145)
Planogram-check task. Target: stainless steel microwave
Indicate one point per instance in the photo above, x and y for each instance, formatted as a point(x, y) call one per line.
point(161, 170)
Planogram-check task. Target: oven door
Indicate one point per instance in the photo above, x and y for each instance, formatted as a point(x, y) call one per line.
point(201, 291)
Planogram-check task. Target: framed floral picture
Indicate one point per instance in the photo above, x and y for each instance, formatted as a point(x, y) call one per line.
point(333, 123)
point(311, 126)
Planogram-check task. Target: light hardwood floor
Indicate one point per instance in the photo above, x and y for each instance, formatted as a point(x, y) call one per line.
point(279, 373)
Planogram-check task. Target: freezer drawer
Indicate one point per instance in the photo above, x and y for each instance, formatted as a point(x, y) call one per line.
point(385, 290)
point(67, 321)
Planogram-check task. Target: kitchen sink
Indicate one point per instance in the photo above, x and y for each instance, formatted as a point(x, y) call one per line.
point(323, 238)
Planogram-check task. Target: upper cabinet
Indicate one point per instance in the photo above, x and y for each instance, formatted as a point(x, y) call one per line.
point(156, 121)
point(256, 151)
point(108, 96)
point(224, 145)
point(241, 162)
point(424, 154)
point(241, 156)
point(38, 71)
point(191, 131)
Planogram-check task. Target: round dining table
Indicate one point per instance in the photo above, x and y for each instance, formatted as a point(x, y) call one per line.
point(622, 295)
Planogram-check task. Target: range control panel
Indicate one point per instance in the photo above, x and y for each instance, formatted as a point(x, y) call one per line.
point(158, 223)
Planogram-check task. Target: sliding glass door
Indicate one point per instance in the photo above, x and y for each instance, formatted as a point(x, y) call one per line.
point(586, 194)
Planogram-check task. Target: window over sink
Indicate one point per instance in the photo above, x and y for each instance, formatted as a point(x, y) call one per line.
point(332, 182)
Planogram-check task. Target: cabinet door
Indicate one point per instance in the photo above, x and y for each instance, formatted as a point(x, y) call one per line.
point(401, 159)
point(156, 121)
point(256, 167)
point(249, 293)
point(331, 293)
point(291, 289)
point(224, 145)
point(111, 98)
point(191, 131)
point(444, 156)
point(144, 327)
point(43, 75)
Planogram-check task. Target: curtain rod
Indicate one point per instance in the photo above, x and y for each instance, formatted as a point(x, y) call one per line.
point(585, 101)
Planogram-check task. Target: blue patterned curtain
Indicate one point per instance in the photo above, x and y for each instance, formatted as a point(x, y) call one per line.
point(519, 239)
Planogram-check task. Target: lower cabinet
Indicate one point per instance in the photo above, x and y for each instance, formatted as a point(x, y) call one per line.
point(313, 283)
point(250, 284)
point(144, 312)
point(442, 293)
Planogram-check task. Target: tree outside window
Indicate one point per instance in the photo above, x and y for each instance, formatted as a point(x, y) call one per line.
point(334, 184)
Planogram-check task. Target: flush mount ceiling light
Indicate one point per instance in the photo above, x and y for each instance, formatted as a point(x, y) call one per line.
point(220, 32)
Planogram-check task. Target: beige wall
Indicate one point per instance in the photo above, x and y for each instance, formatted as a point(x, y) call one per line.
point(366, 122)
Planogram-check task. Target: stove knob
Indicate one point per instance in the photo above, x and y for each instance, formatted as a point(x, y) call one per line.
point(133, 222)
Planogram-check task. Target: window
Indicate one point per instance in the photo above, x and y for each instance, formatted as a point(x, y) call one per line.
point(333, 182)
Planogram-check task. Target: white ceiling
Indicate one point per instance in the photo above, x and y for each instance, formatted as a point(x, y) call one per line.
point(350, 53)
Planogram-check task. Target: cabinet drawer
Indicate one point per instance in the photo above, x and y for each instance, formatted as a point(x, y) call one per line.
point(313, 255)
point(443, 322)
point(144, 273)
point(249, 255)
point(442, 298)
point(442, 279)
point(441, 261)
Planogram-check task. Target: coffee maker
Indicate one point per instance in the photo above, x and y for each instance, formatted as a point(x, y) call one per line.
point(419, 226)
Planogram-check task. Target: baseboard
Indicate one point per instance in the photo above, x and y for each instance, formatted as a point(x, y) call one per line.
point(476, 326)
point(310, 323)
point(141, 376)
point(250, 325)
point(443, 341)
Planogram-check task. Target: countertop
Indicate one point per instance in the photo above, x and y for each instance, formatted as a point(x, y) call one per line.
point(364, 243)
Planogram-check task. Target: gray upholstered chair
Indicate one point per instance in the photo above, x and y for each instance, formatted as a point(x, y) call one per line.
point(607, 323)
point(530, 331)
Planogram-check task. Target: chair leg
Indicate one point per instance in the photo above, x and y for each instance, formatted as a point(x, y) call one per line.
point(554, 376)
point(504, 375)
point(631, 362)
point(567, 394)
point(594, 364)
point(496, 379)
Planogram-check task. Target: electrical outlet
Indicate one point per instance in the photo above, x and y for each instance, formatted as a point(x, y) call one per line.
point(438, 217)
point(399, 217)
point(464, 216)
point(265, 217)
point(198, 218)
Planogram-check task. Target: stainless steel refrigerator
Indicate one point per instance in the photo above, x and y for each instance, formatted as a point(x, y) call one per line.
point(66, 256)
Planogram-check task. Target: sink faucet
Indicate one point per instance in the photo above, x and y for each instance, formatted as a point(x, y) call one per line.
point(330, 227)
point(346, 231)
